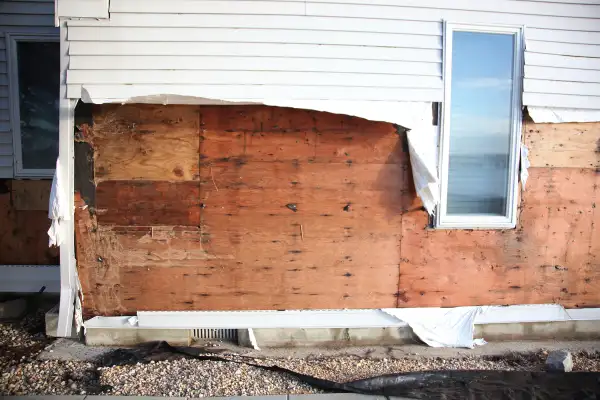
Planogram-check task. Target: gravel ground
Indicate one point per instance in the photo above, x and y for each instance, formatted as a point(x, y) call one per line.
point(21, 373)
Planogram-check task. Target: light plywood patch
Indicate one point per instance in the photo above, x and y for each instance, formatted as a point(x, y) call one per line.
point(146, 143)
point(573, 145)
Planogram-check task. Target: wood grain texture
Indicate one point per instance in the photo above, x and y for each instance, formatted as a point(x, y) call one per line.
point(574, 145)
point(31, 195)
point(23, 233)
point(147, 142)
point(550, 258)
point(148, 203)
point(334, 176)
point(296, 209)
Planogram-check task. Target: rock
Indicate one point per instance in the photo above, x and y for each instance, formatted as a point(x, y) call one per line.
point(559, 361)
point(12, 309)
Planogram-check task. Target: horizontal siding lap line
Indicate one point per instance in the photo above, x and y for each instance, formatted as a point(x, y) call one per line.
point(562, 74)
point(433, 14)
point(565, 49)
point(286, 50)
point(236, 21)
point(249, 93)
point(561, 87)
point(558, 61)
point(557, 36)
point(561, 100)
point(252, 36)
point(251, 78)
point(299, 7)
point(497, 6)
point(215, 64)
point(210, 7)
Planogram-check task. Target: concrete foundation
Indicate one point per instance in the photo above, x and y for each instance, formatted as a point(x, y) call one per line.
point(347, 337)
point(338, 337)
point(133, 336)
point(559, 330)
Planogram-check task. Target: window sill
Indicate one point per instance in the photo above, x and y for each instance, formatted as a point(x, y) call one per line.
point(500, 224)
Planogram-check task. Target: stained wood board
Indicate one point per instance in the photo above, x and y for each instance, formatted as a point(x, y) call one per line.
point(31, 195)
point(148, 203)
point(23, 234)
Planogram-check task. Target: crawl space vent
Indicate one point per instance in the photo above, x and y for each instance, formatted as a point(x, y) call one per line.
point(223, 335)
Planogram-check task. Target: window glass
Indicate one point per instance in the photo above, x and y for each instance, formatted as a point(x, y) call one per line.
point(38, 66)
point(480, 123)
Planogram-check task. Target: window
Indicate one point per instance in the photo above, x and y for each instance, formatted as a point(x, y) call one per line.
point(34, 83)
point(481, 122)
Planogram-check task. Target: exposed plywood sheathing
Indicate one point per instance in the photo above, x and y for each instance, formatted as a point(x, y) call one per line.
point(573, 145)
point(550, 257)
point(30, 195)
point(23, 237)
point(254, 207)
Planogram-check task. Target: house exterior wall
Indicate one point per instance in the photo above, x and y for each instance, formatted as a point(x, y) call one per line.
point(17, 17)
point(24, 223)
point(387, 50)
point(256, 207)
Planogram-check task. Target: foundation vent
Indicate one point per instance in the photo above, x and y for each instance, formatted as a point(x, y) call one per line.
point(223, 335)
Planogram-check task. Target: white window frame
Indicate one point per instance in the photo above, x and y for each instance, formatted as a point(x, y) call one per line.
point(15, 113)
point(443, 220)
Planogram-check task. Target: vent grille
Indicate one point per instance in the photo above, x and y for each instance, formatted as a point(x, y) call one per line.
point(223, 335)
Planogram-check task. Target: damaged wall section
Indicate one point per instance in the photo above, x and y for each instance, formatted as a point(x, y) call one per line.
point(257, 207)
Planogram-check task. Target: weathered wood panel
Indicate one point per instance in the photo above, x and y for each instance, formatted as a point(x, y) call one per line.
point(334, 176)
point(287, 208)
point(146, 142)
point(548, 258)
point(148, 203)
point(238, 287)
point(31, 195)
point(265, 226)
point(563, 145)
point(173, 268)
point(23, 233)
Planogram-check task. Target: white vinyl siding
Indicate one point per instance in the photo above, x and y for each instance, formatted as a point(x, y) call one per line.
point(82, 8)
point(17, 16)
point(384, 50)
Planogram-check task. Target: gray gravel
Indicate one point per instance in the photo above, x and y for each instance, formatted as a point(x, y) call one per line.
point(22, 373)
point(195, 378)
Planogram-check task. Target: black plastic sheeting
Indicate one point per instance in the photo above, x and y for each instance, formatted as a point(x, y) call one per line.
point(446, 385)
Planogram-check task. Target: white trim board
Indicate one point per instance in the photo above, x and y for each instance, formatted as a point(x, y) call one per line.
point(29, 278)
point(69, 281)
point(329, 318)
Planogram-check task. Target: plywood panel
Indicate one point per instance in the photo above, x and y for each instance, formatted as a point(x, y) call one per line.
point(23, 237)
point(148, 142)
point(361, 146)
point(575, 145)
point(546, 259)
point(335, 176)
point(148, 203)
point(299, 209)
point(130, 269)
point(31, 195)
point(558, 216)
point(329, 203)
point(240, 288)
point(288, 226)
